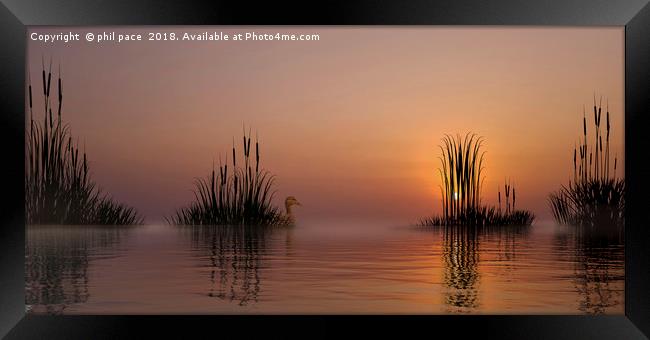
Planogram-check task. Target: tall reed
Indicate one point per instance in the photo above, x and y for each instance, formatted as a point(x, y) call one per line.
point(462, 167)
point(241, 196)
point(461, 175)
point(596, 195)
point(58, 187)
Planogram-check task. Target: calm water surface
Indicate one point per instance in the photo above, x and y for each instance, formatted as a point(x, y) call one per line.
point(323, 268)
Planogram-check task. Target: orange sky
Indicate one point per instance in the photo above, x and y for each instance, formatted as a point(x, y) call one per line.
point(349, 124)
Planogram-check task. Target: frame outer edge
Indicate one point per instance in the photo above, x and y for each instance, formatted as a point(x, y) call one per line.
point(12, 217)
point(637, 144)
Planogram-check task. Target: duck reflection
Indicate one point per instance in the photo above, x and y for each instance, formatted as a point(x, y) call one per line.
point(56, 264)
point(598, 265)
point(234, 258)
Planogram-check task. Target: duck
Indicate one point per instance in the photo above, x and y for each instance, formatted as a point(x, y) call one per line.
point(288, 203)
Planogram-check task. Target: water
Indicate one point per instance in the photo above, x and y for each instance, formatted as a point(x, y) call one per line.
point(326, 268)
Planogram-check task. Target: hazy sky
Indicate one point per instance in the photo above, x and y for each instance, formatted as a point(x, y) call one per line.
point(350, 123)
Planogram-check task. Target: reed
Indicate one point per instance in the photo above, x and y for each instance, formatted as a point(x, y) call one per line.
point(595, 196)
point(462, 167)
point(58, 185)
point(461, 175)
point(482, 216)
point(240, 195)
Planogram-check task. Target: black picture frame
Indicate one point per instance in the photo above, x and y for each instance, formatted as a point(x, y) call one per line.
point(16, 15)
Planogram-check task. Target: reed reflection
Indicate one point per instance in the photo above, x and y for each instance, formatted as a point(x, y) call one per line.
point(598, 265)
point(461, 274)
point(57, 259)
point(234, 258)
point(462, 263)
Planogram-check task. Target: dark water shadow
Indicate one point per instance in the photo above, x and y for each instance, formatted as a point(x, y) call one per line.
point(234, 256)
point(599, 265)
point(461, 255)
point(57, 259)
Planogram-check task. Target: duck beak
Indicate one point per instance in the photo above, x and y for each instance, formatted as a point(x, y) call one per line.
point(298, 203)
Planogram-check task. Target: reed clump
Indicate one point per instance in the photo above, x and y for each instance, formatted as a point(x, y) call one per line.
point(461, 174)
point(596, 196)
point(241, 195)
point(58, 185)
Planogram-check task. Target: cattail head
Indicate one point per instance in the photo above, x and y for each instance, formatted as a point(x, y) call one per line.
point(234, 158)
point(257, 153)
point(60, 94)
point(608, 124)
point(44, 84)
point(601, 143)
point(49, 78)
point(248, 148)
point(30, 96)
point(225, 174)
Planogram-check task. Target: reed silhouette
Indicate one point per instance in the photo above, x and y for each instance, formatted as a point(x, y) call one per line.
point(58, 185)
point(242, 196)
point(595, 197)
point(461, 174)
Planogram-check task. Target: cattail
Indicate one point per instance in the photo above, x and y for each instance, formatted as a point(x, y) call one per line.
point(234, 158)
point(30, 97)
point(59, 83)
point(601, 143)
point(60, 94)
point(607, 124)
point(513, 198)
point(44, 84)
point(257, 153)
point(225, 173)
point(49, 78)
point(248, 152)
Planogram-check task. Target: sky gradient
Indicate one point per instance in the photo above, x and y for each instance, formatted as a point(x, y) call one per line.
point(349, 124)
